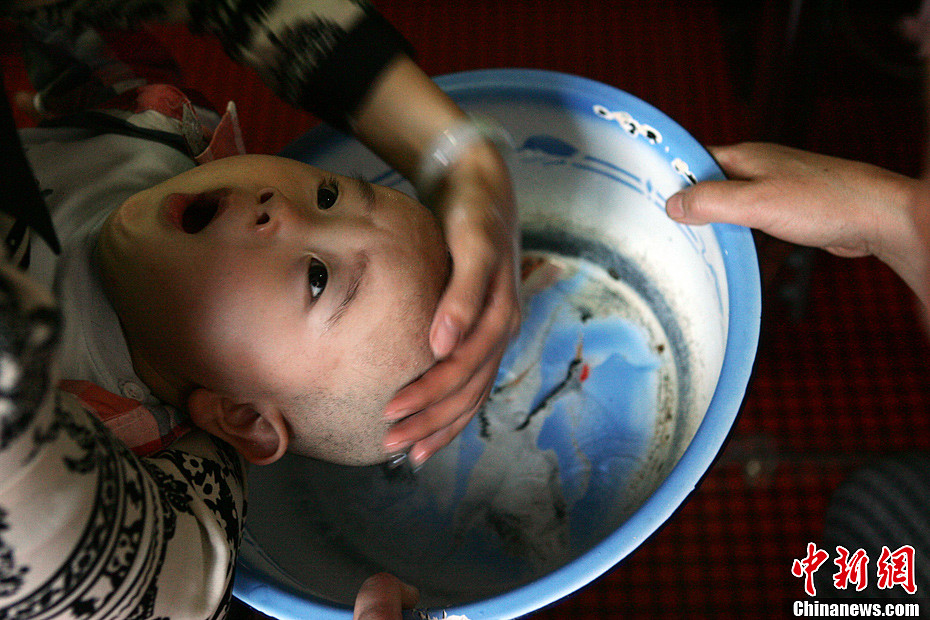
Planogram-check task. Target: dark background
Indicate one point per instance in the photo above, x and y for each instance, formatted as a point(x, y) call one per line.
point(841, 375)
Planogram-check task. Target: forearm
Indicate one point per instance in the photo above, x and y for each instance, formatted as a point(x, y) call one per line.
point(886, 223)
point(319, 56)
point(915, 268)
point(345, 63)
point(403, 114)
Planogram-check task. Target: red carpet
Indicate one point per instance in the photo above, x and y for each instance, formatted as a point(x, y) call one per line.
point(844, 382)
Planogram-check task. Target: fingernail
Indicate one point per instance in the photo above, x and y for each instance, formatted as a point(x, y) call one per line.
point(417, 458)
point(675, 206)
point(396, 414)
point(445, 338)
point(395, 441)
point(396, 460)
point(395, 445)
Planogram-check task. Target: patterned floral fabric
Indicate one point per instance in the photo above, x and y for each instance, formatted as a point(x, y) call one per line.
point(87, 529)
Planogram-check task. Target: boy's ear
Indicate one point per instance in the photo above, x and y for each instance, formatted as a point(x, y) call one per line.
point(259, 433)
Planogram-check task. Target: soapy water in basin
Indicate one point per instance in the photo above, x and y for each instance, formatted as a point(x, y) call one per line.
point(579, 430)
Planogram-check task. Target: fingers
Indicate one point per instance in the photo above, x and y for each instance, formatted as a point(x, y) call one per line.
point(25, 101)
point(749, 166)
point(424, 449)
point(476, 260)
point(434, 427)
point(740, 161)
point(754, 160)
point(464, 398)
point(725, 201)
point(478, 215)
point(797, 196)
point(497, 324)
point(382, 597)
point(477, 314)
point(450, 393)
point(458, 308)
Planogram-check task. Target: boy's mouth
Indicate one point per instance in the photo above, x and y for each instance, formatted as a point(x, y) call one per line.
point(191, 213)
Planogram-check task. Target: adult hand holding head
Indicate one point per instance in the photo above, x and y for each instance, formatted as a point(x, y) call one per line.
point(478, 313)
point(402, 119)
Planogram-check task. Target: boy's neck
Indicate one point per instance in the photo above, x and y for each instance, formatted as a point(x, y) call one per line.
point(163, 387)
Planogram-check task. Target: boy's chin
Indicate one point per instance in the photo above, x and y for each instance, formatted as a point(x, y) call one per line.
point(363, 447)
point(355, 459)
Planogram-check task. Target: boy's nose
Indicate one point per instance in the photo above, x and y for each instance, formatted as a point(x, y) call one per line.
point(275, 214)
point(264, 197)
point(270, 205)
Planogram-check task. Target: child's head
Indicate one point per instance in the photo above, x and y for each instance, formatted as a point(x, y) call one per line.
point(281, 304)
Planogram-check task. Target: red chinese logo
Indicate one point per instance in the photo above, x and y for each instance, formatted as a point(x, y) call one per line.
point(894, 568)
point(852, 568)
point(808, 566)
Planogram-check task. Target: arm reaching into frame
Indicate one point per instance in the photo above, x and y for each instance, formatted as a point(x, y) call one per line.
point(845, 207)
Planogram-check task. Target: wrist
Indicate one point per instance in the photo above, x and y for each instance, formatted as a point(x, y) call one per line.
point(402, 114)
point(469, 149)
point(897, 242)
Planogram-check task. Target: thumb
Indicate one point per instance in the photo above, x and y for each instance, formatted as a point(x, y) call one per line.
point(457, 311)
point(709, 201)
point(382, 597)
point(473, 266)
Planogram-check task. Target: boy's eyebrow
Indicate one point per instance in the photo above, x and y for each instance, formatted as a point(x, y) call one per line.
point(351, 292)
point(367, 190)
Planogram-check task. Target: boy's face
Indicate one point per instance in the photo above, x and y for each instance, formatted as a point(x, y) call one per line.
point(272, 282)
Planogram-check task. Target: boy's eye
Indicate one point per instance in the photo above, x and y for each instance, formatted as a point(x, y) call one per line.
point(326, 196)
point(316, 276)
